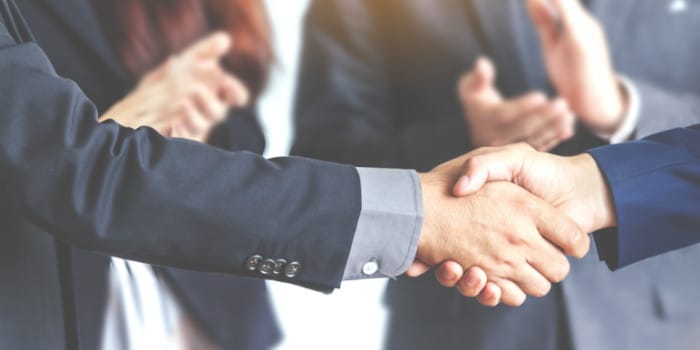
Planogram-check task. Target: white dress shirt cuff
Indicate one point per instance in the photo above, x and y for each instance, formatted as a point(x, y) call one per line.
point(631, 117)
point(390, 223)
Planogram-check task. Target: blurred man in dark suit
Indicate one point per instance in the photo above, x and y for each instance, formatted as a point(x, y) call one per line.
point(382, 84)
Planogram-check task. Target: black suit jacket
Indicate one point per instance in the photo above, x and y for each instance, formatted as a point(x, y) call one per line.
point(66, 179)
point(235, 312)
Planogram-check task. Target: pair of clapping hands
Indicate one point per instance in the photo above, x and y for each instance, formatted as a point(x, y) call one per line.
point(187, 95)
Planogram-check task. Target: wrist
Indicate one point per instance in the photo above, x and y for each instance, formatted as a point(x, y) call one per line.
point(613, 111)
point(426, 244)
point(598, 194)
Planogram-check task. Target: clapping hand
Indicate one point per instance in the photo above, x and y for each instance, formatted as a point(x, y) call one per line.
point(187, 95)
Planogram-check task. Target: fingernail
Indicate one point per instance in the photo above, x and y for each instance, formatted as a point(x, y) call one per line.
point(472, 281)
point(447, 275)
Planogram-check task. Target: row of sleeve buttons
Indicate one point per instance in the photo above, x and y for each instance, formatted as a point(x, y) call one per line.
point(272, 267)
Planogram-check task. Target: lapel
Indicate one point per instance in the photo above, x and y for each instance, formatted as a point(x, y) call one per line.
point(501, 23)
point(78, 16)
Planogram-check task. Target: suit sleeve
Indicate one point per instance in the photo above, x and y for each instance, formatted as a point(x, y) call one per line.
point(133, 194)
point(655, 184)
point(661, 109)
point(344, 105)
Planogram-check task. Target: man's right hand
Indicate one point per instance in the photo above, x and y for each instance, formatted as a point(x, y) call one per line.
point(515, 237)
point(495, 121)
point(575, 185)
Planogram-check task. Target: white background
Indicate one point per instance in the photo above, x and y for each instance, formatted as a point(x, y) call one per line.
point(352, 317)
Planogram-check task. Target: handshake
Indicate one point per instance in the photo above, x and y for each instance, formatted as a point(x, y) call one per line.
point(499, 221)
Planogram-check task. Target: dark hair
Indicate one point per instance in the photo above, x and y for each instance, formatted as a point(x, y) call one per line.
point(145, 32)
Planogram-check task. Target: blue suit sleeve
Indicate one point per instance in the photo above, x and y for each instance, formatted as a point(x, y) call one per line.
point(655, 184)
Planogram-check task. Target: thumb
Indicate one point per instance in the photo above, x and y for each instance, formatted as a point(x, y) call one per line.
point(490, 165)
point(212, 47)
point(479, 83)
point(546, 21)
point(417, 269)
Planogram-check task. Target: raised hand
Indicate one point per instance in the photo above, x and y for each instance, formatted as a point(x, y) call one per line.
point(187, 95)
point(578, 62)
point(512, 235)
point(495, 121)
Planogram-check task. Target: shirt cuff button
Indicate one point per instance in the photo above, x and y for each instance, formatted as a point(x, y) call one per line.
point(370, 268)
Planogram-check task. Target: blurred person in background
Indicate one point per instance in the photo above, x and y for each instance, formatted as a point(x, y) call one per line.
point(383, 84)
point(70, 180)
point(154, 63)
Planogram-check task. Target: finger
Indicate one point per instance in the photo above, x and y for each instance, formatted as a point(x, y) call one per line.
point(449, 273)
point(499, 164)
point(211, 47)
point(194, 121)
point(549, 261)
point(206, 101)
point(530, 281)
point(562, 231)
point(178, 130)
point(472, 283)
point(479, 83)
point(233, 92)
point(568, 11)
point(417, 269)
point(525, 104)
point(563, 128)
point(531, 125)
point(557, 125)
point(545, 19)
point(490, 296)
point(511, 294)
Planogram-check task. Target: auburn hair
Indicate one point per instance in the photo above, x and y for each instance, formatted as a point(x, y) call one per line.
point(146, 32)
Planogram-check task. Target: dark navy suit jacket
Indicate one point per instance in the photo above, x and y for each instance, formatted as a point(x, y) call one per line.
point(655, 184)
point(234, 312)
point(66, 179)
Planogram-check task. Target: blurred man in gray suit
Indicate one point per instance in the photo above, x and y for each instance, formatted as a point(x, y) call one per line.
point(382, 84)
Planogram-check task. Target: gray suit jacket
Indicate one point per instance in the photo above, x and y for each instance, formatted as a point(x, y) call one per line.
point(378, 88)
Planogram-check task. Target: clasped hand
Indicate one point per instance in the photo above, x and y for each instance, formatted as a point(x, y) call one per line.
point(578, 65)
point(507, 215)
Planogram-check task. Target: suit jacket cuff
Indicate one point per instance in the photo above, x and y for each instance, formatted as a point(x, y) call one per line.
point(642, 175)
point(389, 227)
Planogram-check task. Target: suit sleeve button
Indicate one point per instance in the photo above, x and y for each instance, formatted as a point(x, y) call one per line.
point(267, 266)
point(292, 269)
point(252, 263)
point(280, 264)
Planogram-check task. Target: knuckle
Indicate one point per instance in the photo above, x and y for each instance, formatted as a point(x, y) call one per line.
point(581, 248)
point(541, 290)
point(522, 147)
point(466, 291)
point(560, 270)
point(473, 162)
point(516, 239)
